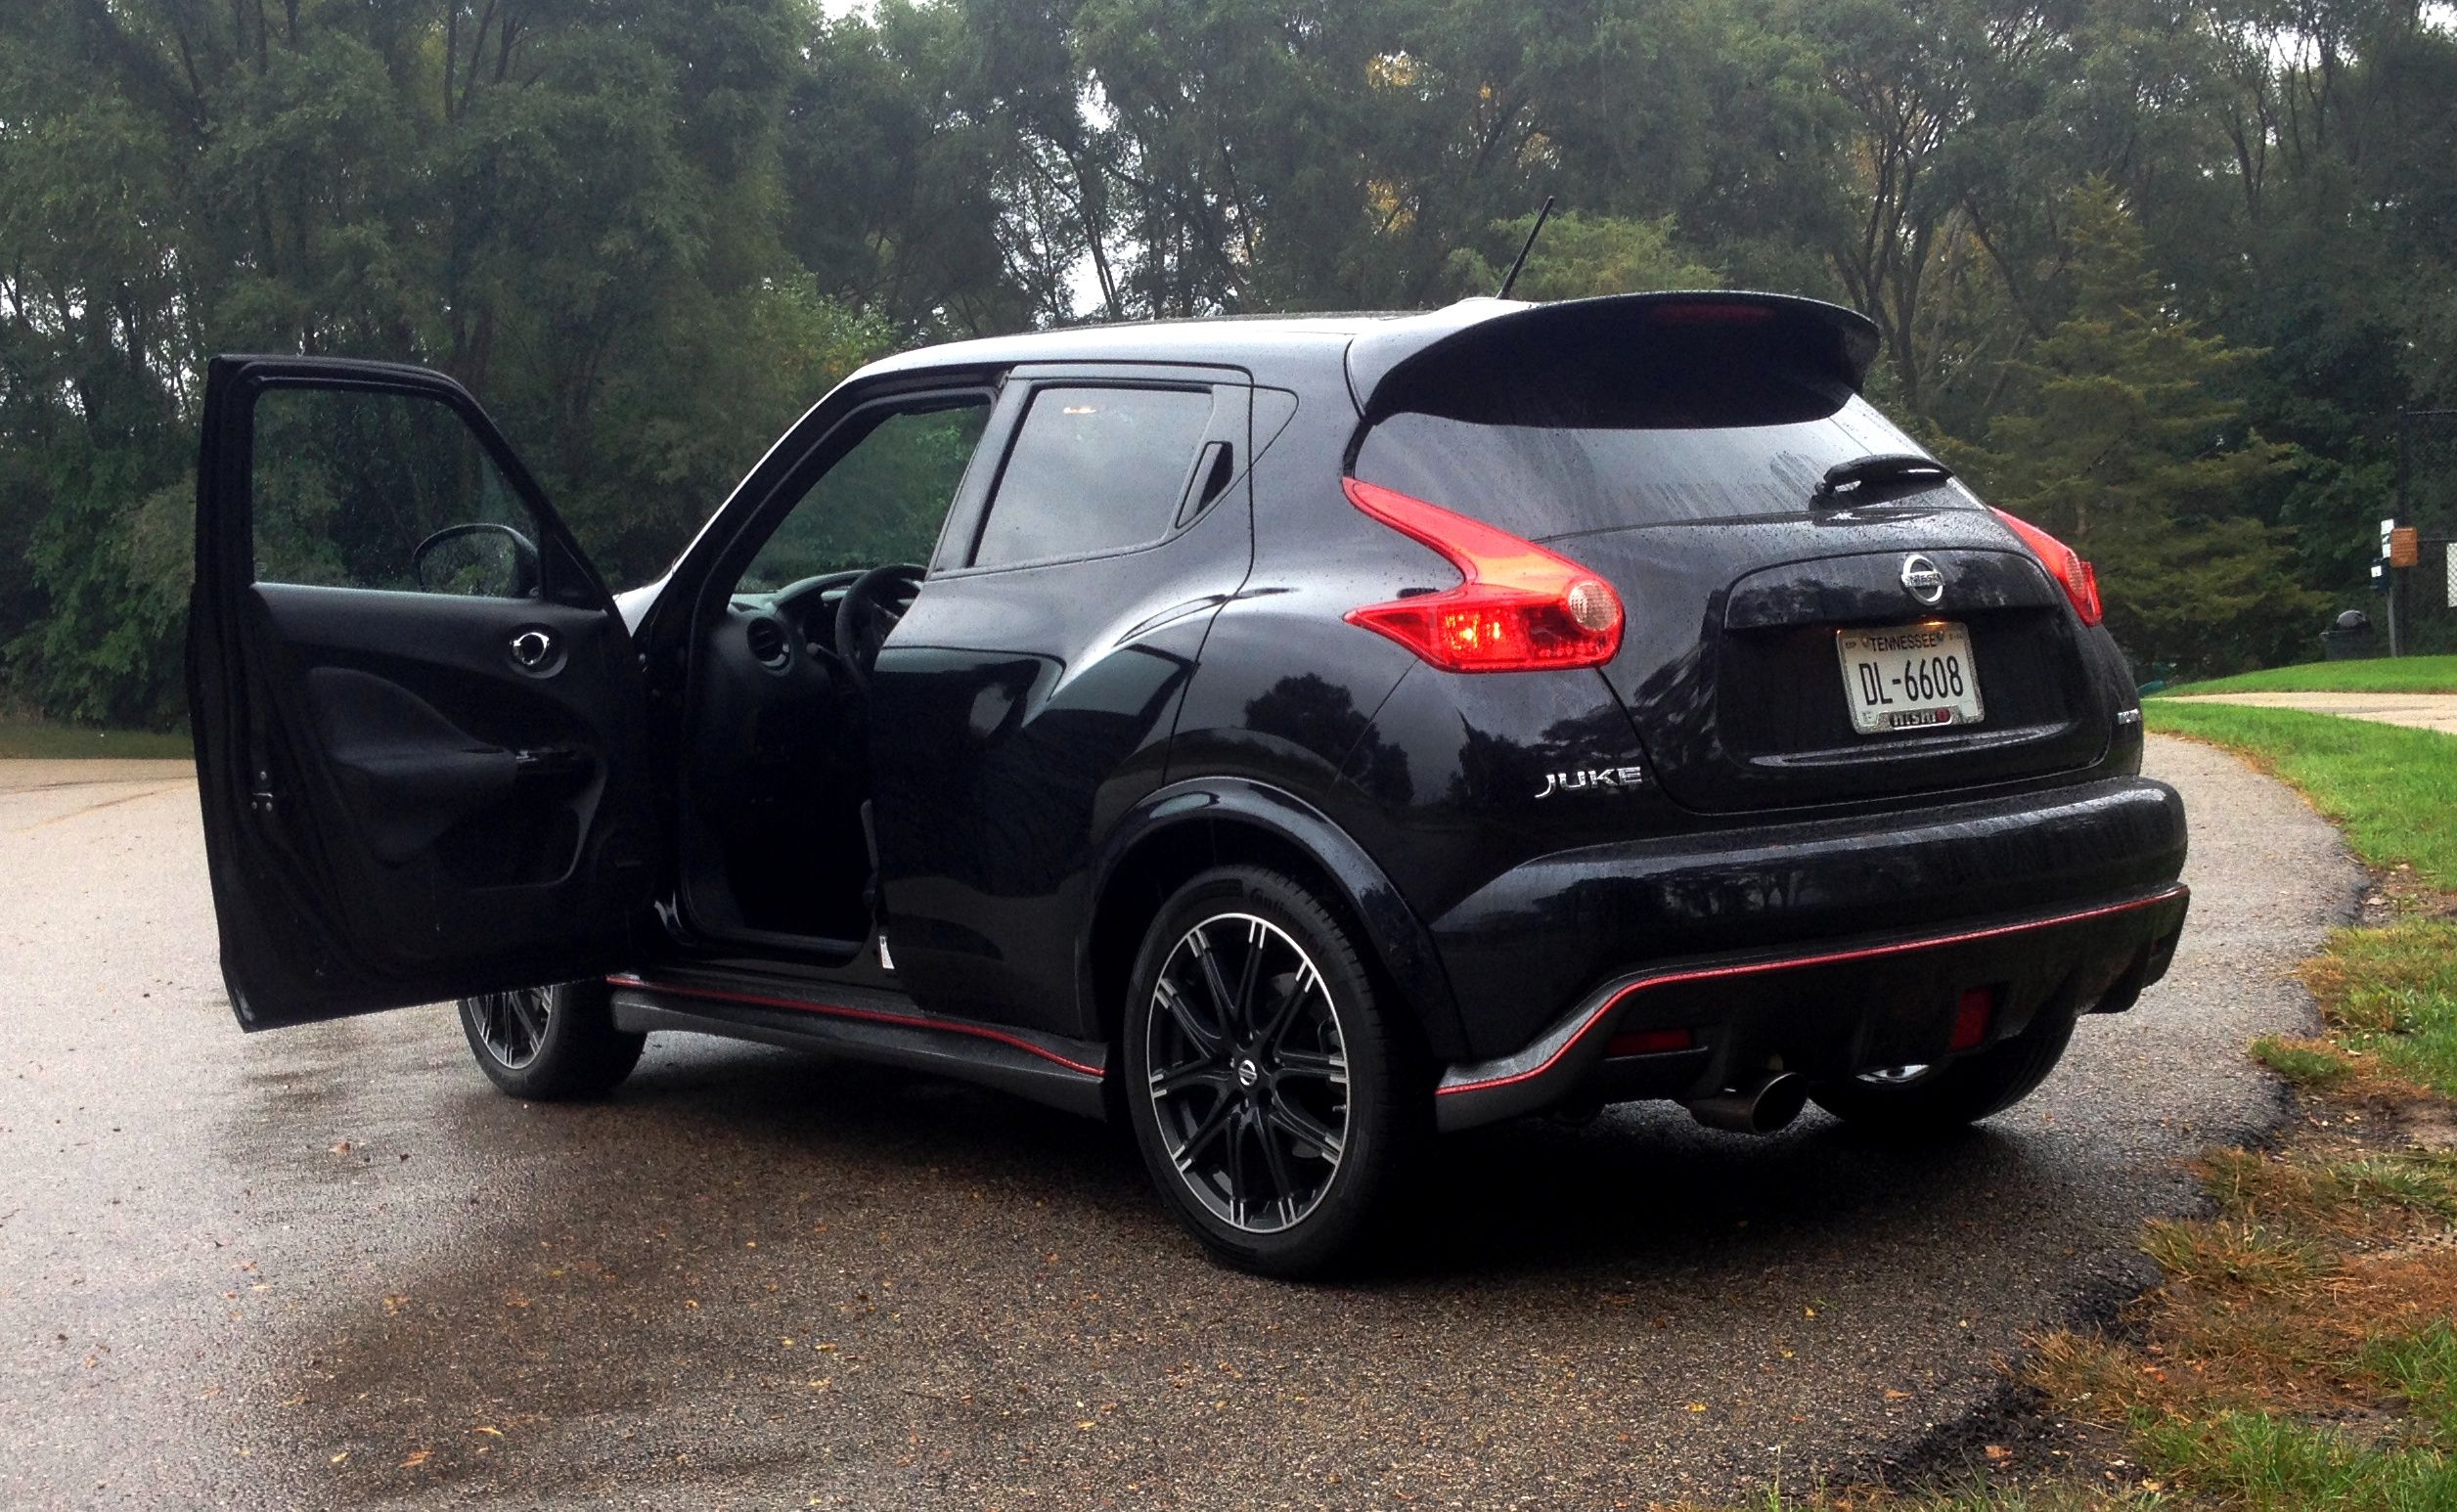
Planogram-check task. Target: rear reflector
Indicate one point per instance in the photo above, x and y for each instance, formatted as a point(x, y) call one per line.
point(1971, 1017)
point(1517, 609)
point(2080, 580)
point(1648, 1041)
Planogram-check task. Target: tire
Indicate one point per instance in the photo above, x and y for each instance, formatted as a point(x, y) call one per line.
point(549, 1044)
point(1940, 1099)
point(1273, 1104)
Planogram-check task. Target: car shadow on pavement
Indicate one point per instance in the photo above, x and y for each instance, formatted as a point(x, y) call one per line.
point(747, 1254)
point(1641, 1185)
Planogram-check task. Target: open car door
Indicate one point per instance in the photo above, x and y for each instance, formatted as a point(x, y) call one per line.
point(421, 726)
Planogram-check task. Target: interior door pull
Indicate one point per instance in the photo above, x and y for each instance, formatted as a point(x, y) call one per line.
point(549, 761)
point(533, 649)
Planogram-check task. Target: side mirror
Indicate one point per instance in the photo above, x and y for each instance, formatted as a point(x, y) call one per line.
point(482, 558)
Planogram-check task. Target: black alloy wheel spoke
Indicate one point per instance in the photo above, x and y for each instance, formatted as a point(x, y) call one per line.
point(1223, 999)
point(1247, 972)
point(1315, 1065)
point(1206, 1071)
point(1223, 1113)
point(1300, 1125)
point(532, 1017)
point(1240, 1122)
point(1292, 997)
point(1275, 1165)
point(1204, 1040)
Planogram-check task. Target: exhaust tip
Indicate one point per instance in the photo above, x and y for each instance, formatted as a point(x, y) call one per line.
point(1759, 1107)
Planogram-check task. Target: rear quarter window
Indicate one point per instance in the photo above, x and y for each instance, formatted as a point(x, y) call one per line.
point(1092, 471)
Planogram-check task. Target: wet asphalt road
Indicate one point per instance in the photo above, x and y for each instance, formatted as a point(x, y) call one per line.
point(329, 1266)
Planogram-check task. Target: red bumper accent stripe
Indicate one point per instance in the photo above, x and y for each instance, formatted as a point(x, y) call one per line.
point(864, 1015)
point(1795, 962)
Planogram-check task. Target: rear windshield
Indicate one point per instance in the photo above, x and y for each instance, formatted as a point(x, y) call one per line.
point(1652, 443)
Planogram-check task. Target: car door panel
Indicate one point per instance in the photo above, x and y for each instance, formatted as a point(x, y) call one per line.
point(408, 795)
point(1017, 711)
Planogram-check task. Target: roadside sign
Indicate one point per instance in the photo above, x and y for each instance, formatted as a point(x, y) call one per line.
point(2405, 546)
point(2452, 574)
point(2388, 528)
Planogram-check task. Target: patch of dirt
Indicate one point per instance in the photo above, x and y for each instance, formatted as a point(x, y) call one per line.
point(2397, 893)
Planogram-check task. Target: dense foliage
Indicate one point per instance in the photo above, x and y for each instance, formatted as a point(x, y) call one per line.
point(2161, 272)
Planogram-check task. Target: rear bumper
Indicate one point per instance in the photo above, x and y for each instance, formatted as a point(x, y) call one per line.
point(1530, 945)
point(1829, 1010)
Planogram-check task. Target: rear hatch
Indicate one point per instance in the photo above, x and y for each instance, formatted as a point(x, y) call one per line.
point(1679, 447)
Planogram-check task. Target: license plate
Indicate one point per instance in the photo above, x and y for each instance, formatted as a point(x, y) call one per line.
point(1909, 677)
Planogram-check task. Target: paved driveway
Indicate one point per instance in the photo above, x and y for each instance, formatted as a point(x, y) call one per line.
point(331, 1267)
point(2421, 711)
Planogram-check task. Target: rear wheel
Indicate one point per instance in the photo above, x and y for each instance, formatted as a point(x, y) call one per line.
point(1267, 1091)
point(1911, 1101)
point(550, 1043)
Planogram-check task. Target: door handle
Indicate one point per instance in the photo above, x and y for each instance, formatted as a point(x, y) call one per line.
point(534, 649)
point(550, 763)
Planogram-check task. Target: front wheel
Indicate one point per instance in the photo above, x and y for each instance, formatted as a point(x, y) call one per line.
point(1924, 1101)
point(1268, 1093)
point(546, 1043)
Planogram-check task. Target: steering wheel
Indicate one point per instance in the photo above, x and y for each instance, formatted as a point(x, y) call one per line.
point(870, 610)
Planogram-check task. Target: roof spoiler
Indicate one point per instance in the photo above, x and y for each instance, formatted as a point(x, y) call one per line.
point(1382, 361)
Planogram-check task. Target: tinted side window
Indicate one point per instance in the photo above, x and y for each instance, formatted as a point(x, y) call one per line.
point(881, 502)
point(358, 488)
point(1093, 470)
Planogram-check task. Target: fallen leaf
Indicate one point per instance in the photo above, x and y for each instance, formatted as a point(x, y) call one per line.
point(338, 1458)
point(417, 1458)
point(1697, 1407)
point(1894, 1395)
point(1996, 1452)
point(492, 1433)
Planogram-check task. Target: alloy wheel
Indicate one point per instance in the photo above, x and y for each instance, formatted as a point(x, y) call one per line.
point(512, 1026)
point(1247, 1071)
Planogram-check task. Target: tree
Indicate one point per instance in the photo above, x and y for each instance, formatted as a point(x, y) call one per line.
point(2122, 437)
point(1579, 257)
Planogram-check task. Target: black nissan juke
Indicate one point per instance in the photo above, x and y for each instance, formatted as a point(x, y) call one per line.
point(1291, 737)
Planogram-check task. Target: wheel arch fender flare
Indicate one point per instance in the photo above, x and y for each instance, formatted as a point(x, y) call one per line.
point(1234, 819)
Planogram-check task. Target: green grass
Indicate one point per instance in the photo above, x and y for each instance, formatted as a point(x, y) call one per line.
point(36, 739)
point(2302, 1064)
point(2394, 789)
point(2277, 1464)
point(2381, 674)
point(2392, 991)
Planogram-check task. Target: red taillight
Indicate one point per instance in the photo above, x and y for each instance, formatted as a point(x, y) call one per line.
point(1518, 607)
point(2062, 563)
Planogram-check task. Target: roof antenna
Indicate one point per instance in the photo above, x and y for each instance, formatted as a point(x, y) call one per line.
point(1510, 280)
